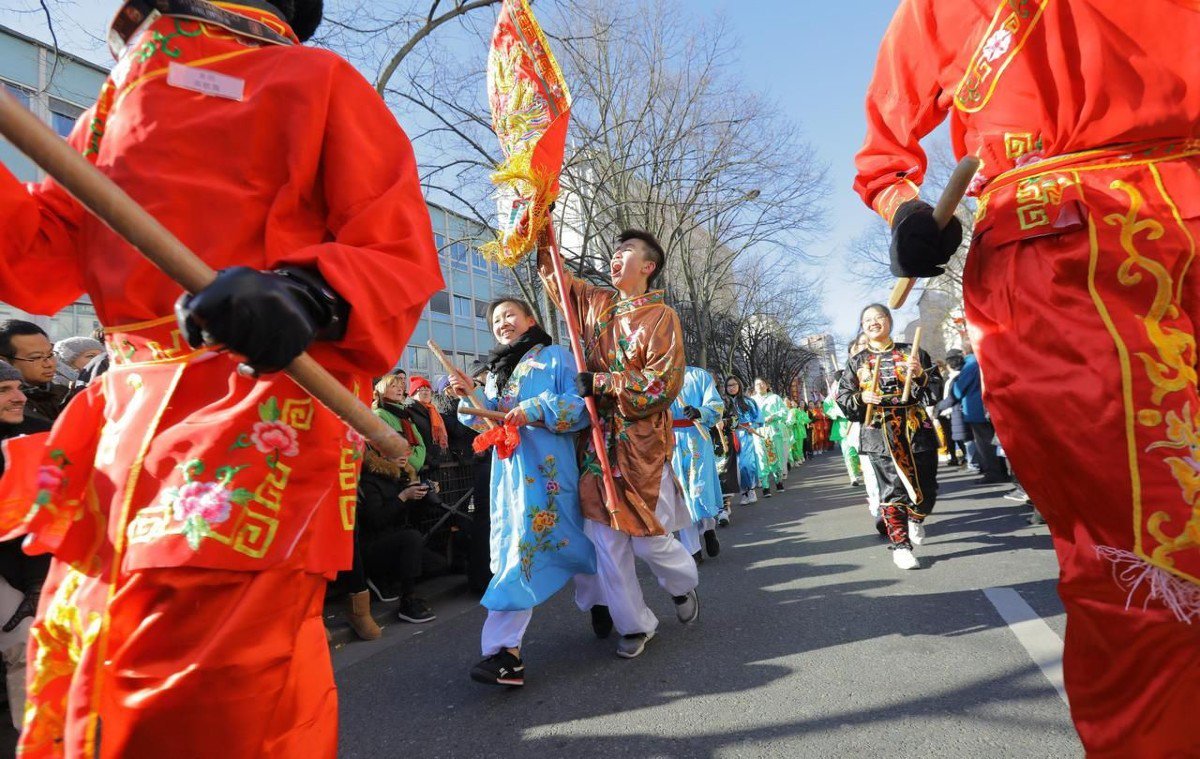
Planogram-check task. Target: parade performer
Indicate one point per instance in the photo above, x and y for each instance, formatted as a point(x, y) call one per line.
point(727, 447)
point(634, 353)
point(194, 512)
point(897, 436)
point(745, 418)
point(1089, 216)
point(839, 433)
point(694, 412)
point(538, 540)
point(772, 453)
point(798, 420)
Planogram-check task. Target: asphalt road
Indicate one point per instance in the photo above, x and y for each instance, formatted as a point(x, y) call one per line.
point(810, 643)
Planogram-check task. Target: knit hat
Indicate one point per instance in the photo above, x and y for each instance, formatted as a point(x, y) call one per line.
point(415, 383)
point(9, 373)
point(70, 349)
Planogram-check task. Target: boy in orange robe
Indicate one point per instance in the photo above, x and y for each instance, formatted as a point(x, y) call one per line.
point(1080, 293)
point(194, 512)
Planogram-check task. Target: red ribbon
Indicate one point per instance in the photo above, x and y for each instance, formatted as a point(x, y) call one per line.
point(505, 437)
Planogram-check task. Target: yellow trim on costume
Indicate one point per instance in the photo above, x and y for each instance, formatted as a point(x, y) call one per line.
point(1126, 375)
point(119, 541)
point(130, 86)
point(1182, 228)
point(133, 327)
point(982, 71)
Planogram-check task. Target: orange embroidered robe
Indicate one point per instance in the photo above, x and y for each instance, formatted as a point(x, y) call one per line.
point(635, 347)
point(173, 463)
point(1079, 292)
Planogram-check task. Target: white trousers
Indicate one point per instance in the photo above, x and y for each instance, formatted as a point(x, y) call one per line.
point(504, 629)
point(615, 583)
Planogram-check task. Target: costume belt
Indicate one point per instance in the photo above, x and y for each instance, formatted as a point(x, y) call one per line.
point(157, 341)
point(1044, 197)
point(680, 424)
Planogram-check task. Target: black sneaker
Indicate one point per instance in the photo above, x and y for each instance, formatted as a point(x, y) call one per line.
point(416, 611)
point(779, 486)
point(766, 492)
point(711, 544)
point(602, 623)
point(500, 669)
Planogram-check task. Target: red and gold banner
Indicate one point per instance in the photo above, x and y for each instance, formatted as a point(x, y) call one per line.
point(530, 113)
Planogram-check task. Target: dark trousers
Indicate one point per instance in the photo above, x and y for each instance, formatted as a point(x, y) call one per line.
point(394, 557)
point(895, 504)
point(989, 463)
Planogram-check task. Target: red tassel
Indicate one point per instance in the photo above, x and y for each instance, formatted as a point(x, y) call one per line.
point(506, 438)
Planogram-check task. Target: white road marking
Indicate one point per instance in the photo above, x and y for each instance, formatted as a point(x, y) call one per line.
point(1041, 643)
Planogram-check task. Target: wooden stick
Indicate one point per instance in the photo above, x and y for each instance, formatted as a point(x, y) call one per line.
point(914, 353)
point(109, 203)
point(874, 388)
point(568, 307)
point(956, 188)
point(484, 413)
point(452, 369)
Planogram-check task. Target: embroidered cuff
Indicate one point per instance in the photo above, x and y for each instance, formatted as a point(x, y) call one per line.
point(891, 198)
point(602, 383)
point(532, 409)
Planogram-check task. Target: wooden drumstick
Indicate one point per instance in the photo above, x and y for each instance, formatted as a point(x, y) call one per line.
point(956, 188)
point(451, 369)
point(874, 388)
point(914, 353)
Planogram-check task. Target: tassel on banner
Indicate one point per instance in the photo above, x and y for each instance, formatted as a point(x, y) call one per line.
point(1133, 573)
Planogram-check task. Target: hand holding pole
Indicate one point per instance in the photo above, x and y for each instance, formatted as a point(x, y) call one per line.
point(472, 403)
point(956, 188)
point(111, 205)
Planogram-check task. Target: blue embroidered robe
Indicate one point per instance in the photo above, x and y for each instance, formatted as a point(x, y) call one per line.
point(694, 461)
point(537, 539)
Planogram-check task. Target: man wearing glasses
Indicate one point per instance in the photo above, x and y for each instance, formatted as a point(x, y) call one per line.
point(27, 347)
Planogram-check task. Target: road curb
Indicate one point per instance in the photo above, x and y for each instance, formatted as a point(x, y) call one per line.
point(434, 591)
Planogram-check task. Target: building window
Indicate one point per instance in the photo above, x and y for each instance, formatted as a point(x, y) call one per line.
point(63, 116)
point(462, 307)
point(458, 256)
point(23, 96)
point(439, 241)
point(481, 307)
point(439, 305)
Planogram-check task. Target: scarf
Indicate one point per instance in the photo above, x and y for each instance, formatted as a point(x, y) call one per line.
point(397, 418)
point(503, 359)
point(436, 426)
point(737, 404)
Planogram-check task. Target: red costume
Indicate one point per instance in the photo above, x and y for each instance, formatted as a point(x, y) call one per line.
point(1081, 296)
point(193, 513)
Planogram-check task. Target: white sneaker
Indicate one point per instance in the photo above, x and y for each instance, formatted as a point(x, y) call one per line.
point(753, 496)
point(916, 532)
point(903, 558)
point(745, 499)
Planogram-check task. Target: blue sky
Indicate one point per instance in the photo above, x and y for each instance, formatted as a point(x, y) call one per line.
point(815, 59)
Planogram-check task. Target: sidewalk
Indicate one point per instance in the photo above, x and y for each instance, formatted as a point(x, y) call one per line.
point(433, 590)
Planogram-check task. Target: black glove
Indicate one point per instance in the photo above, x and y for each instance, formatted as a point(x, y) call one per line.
point(585, 383)
point(268, 317)
point(691, 412)
point(919, 248)
point(27, 608)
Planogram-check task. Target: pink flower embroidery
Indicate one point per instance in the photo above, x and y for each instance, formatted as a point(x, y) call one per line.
point(656, 387)
point(997, 45)
point(551, 487)
point(207, 500)
point(275, 437)
point(50, 477)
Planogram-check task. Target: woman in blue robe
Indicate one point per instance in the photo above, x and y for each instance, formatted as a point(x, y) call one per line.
point(696, 409)
point(537, 538)
point(745, 417)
